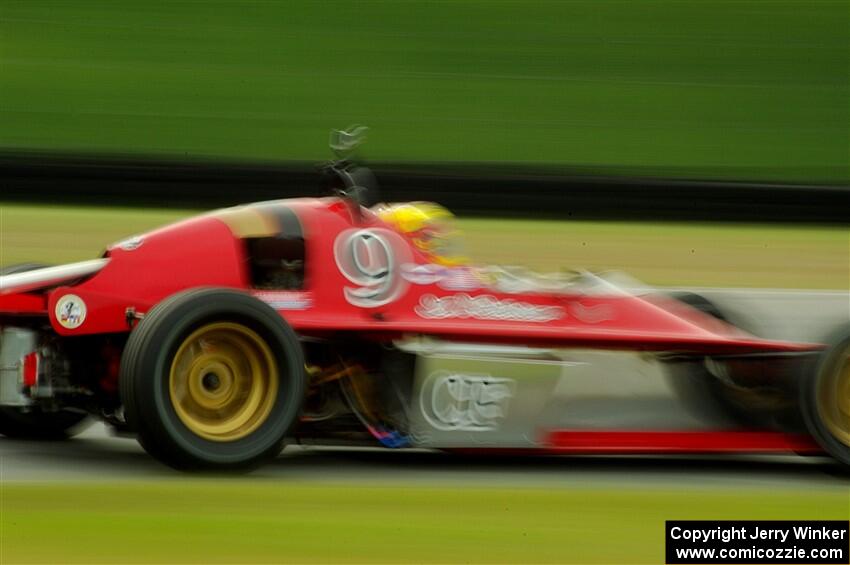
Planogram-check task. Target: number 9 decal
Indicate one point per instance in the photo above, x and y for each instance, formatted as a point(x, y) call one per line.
point(369, 259)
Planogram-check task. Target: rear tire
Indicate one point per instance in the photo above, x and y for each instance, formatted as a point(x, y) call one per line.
point(212, 379)
point(35, 423)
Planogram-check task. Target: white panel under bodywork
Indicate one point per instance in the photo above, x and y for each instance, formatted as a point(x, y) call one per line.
point(481, 395)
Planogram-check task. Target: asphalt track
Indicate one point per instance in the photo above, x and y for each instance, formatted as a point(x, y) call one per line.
point(96, 455)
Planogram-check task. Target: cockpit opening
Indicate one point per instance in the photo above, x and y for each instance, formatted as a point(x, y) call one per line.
point(277, 263)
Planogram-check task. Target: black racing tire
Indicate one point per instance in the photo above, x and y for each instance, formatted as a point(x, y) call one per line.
point(820, 388)
point(33, 423)
point(147, 373)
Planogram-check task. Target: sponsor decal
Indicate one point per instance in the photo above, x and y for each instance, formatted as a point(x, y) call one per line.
point(591, 314)
point(286, 300)
point(423, 274)
point(369, 259)
point(460, 278)
point(470, 403)
point(70, 311)
point(514, 286)
point(131, 244)
point(485, 307)
point(447, 278)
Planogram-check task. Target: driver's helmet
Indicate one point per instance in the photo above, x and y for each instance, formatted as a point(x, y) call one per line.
point(429, 227)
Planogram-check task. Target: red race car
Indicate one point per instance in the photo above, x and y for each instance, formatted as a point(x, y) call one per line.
point(219, 338)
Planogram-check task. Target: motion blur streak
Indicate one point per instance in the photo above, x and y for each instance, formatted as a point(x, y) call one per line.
point(747, 88)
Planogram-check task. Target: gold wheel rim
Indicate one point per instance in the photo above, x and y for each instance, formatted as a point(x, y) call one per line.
point(223, 381)
point(834, 400)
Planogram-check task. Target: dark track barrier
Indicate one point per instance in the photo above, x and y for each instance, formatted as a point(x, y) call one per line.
point(504, 190)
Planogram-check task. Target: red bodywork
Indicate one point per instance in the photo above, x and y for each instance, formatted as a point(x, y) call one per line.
point(211, 251)
point(204, 251)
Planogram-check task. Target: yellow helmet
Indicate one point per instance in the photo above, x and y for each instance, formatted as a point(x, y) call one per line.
point(430, 227)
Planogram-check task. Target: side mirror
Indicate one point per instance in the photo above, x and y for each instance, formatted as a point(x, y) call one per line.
point(351, 181)
point(343, 177)
point(345, 142)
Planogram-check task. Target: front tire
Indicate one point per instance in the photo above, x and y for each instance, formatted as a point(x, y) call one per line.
point(212, 379)
point(825, 398)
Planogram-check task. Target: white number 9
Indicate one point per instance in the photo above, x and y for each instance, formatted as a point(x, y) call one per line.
point(365, 257)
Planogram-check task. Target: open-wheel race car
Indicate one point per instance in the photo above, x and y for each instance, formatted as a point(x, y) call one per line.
point(219, 339)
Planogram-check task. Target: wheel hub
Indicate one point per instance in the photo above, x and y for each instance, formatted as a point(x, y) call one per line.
point(223, 381)
point(211, 382)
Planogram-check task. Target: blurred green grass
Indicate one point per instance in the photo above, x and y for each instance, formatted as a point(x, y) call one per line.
point(672, 254)
point(747, 88)
point(233, 521)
